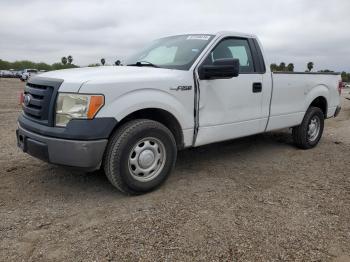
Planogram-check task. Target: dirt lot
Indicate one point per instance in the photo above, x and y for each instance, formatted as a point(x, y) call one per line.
point(252, 199)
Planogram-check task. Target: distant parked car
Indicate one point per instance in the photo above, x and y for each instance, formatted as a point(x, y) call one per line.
point(7, 74)
point(347, 85)
point(15, 73)
point(18, 73)
point(27, 73)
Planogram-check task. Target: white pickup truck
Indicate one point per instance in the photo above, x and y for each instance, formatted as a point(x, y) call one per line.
point(181, 91)
point(28, 73)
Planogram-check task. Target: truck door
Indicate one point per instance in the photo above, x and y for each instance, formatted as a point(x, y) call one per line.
point(231, 108)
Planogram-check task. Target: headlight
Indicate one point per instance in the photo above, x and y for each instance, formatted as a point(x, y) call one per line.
point(77, 106)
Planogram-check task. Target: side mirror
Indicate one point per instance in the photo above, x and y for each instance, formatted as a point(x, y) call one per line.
point(220, 69)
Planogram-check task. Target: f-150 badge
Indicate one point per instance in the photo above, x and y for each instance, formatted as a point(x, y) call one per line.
point(181, 88)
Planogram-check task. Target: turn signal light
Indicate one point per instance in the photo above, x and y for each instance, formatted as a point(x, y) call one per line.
point(96, 102)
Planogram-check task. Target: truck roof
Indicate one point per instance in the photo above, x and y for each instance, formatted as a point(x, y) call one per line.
point(220, 33)
point(233, 33)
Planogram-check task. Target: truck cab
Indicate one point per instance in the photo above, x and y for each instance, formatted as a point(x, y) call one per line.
point(178, 92)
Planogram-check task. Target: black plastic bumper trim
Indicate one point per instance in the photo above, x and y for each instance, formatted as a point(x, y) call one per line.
point(76, 129)
point(86, 155)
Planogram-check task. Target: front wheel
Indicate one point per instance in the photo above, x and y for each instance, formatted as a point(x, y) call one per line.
point(140, 155)
point(309, 132)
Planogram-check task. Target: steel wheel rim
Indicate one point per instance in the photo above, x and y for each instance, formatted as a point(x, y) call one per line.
point(147, 159)
point(314, 128)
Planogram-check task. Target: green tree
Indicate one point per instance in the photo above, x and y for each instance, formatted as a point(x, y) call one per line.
point(23, 64)
point(345, 77)
point(70, 59)
point(310, 66)
point(43, 66)
point(4, 65)
point(64, 60)
point(282, 66)
point(62, 65)
point(103, 61)
point(274, 67)
point(290, 67)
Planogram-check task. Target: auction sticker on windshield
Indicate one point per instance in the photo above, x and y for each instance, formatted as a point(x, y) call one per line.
point(198, 37)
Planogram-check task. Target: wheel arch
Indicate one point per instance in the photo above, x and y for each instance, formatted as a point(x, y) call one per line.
point(318, 97)
point(160, 115)
point(320, 102)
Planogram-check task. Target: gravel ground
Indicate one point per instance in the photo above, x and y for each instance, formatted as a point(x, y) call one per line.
point(252, 199)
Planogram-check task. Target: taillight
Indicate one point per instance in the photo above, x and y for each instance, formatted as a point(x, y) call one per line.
point(340, 86)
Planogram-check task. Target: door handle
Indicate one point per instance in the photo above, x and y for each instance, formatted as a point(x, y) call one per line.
point(257, 87)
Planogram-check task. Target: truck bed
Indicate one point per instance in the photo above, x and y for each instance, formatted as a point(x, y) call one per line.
point(293, 92)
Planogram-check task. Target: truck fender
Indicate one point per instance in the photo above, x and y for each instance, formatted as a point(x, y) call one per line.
point(315, 92)
point(143, 99)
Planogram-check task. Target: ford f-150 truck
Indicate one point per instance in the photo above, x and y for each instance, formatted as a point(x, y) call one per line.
point(180, 91)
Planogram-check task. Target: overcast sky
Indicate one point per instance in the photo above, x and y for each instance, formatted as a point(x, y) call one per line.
point(296, 31)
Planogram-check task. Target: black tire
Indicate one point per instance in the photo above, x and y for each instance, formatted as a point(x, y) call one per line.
point(300, 133)
point(123, 144)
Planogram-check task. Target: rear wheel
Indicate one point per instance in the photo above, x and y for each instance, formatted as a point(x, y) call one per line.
point(309, 132)
point(140, 155)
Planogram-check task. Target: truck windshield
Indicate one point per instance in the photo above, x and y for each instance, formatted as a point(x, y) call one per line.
point(174, 52)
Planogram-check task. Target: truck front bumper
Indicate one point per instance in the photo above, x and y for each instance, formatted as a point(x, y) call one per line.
point(86, 155)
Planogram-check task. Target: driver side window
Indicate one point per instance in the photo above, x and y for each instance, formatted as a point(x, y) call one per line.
point(233, 48)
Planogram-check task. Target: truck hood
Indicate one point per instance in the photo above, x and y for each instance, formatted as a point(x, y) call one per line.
point(73, 79)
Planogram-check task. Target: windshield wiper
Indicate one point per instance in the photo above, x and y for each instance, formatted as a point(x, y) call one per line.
point(143, 63)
